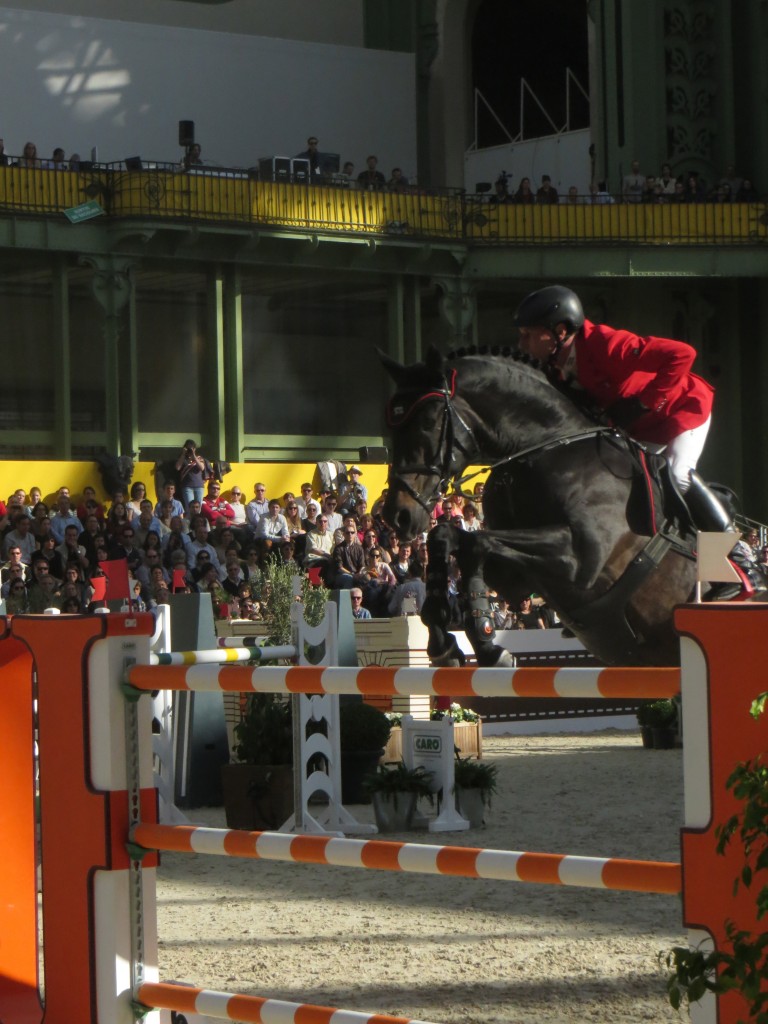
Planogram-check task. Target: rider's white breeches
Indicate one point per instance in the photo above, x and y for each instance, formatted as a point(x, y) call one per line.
point(684, 451)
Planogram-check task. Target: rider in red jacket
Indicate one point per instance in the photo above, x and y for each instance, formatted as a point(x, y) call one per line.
point(645, 385)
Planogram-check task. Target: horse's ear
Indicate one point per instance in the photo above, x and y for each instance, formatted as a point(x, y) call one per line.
point(396, 370)
point(435, 362)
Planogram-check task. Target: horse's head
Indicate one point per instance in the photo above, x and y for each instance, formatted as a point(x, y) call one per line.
point(431, 441)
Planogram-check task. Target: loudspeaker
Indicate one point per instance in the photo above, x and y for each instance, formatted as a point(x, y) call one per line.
point(186, 133)
point(373, 454)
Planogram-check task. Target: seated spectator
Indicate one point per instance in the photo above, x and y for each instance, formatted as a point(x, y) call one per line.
point(649, 189)
point(16, 598)
point(199, 542)
point(124, 547)
point(21, 536)
point(667, 180)
point(13, 572)
point(257, 507)
point(319, 546)
point(138, 494)
point(239, 519)
point(168, 494)
point(411, 590)
point(329, 507)
point(48, 550)
point(349, 559)
point(694, 188)
point(309, 522)
point(193, 156)
point(501, 191)
point(731, 179)
point(503, 616)
point(524, 192)
point(397, 182)
point(35, 495)
point(747, 192)
point(358, 611)
point(117, 518)
point(546, 193)
point(401, 561)
point(293, 518)
point(272, 530)
point(146, 522)
point(529, 617)
point(632, 184)
point(370, 178)
point(599, 195)
point(348, 170)
point(70, 550)
point(175, 542)
point(90, 506)
point(573, 198)
point(91, 531)
point(471, 520)
point(214, 507)
point(678, 196)
point(64, 516)
point(29, 157)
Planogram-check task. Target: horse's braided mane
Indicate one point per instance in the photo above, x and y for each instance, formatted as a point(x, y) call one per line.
point(495, 350)
point(579, 398)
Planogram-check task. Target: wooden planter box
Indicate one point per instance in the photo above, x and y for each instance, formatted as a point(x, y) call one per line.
point(467, 736)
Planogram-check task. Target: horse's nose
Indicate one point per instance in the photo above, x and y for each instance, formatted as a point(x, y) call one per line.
point(403, 523)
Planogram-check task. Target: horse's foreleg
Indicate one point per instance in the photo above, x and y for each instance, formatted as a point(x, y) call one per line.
point(478, 616)
point(435, 613)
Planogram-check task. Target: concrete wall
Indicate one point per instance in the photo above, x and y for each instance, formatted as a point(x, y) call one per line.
point(80, 82)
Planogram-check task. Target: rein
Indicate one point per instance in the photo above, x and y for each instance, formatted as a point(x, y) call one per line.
point(539, 449)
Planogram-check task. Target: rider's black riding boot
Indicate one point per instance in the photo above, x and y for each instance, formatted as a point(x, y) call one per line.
point(707, 511)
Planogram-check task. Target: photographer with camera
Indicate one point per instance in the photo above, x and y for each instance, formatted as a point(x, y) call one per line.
point(193, 469)
point(353, 492)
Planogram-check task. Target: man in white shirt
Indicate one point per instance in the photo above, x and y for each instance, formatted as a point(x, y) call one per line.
point(304, 500)
point(169, 494)
point(329, 510)
point(199, 542)
point(64, 516)
point(320, 544)
point(273, 526)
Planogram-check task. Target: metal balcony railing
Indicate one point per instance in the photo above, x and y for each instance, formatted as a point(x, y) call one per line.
point(236, 197)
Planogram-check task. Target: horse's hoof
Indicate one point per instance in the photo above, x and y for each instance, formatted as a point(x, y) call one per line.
point(504, 660)
point(449, 659)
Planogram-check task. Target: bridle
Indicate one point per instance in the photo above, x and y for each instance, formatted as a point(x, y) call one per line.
point(457, 436)
point(456, 445)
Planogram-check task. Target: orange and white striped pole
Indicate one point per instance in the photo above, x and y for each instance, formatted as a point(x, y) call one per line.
point(462, 861)
point(377, 680)
point(254, 1009)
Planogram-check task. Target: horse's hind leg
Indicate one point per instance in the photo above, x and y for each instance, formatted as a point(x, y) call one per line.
point(435, 613)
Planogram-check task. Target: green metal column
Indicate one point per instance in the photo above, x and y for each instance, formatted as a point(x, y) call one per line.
point(129, 383)
point(213, 397)
point(396, 345)
point(412, 314)
point(112, 287)
point(233, 367)
point(62, 361)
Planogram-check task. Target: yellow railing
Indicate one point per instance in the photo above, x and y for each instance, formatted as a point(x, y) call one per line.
point(235, 198)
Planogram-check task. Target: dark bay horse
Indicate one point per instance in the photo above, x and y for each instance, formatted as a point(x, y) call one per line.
point(571, 509)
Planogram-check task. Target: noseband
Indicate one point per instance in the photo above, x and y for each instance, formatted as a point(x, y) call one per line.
point(456, 445)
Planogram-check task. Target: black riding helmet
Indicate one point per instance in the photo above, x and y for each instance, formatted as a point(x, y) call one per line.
point(549, 307)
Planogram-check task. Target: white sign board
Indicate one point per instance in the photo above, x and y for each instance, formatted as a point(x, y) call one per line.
point(431, 745)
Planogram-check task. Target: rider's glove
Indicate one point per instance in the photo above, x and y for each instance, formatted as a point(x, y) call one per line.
point(624, 412)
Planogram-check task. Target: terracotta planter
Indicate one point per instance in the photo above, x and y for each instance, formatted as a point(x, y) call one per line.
point(257, 797)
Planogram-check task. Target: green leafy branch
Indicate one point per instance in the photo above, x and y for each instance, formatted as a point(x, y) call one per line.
point(695, 971)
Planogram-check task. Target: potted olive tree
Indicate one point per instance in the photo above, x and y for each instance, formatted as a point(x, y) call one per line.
point(474, 783)
point(658, 724)
point(364, 731)
point(258, 789)
point(395, 791)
